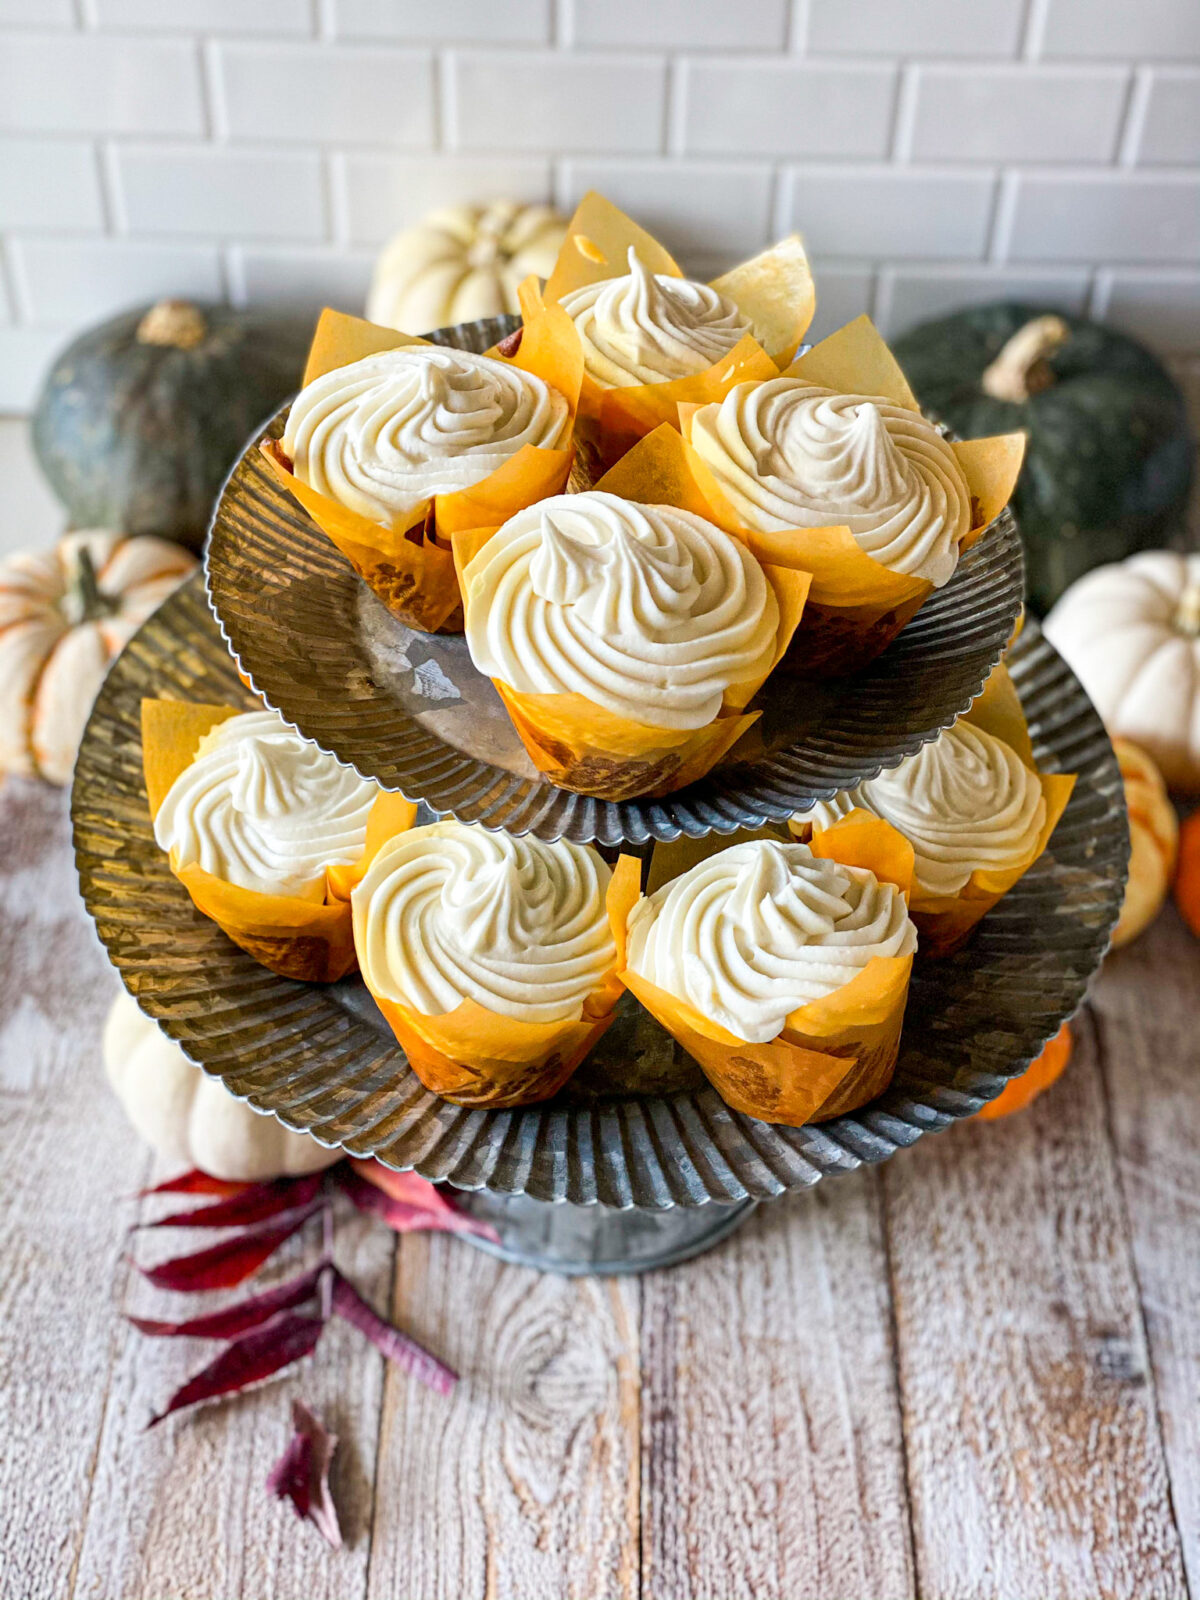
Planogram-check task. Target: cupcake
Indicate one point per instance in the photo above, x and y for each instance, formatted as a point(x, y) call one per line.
point(394, 443)
point(266, 833)
point(784, 968)
point(493, 958)
point(653, 338)
point(831, 467)
point(976, 811)
point(624, 638)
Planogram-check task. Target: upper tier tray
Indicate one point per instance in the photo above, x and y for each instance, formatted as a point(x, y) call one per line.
point(409, 710)
point(637, 1125)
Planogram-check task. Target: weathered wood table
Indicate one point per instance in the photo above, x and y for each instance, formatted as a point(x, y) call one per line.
point(974, 1372)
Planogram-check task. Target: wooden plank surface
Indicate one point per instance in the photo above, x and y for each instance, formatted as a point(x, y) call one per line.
point(773, 1462)
point(1035, 1459)
point(1148, 1011)
point(973, 1373)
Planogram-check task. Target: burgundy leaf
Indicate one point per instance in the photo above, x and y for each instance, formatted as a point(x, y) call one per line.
point(302, 1474)
point(257, 1202)
point(398, 1347)
point(226, 1264)
point(408, 1204)
point(195, 1182)
point(244, 1314)
point(257, 1355)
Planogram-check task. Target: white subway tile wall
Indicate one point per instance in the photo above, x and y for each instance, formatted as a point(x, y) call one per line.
point(934, 152)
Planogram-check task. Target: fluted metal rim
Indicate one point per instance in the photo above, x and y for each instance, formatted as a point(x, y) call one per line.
point(285, 600)
point(295, 1051)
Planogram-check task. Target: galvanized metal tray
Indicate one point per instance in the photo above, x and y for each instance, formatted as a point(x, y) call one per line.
point(638, 1126)
point(409, 710)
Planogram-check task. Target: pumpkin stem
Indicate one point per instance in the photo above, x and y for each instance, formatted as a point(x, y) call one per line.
point(177, 323)
point(1187, 612)
point(89, 603)
point(1021, 368)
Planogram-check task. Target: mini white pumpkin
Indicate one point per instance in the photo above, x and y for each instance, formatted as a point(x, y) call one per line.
point(462, 263)
point(1131, 634)
point(191, 1119)
point(64, 615)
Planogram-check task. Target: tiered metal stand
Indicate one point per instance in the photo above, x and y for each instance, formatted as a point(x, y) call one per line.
point(637, 1163)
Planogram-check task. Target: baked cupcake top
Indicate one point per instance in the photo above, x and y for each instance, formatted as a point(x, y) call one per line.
point(263, 809)
point(790, 455)
point(648, 328)
point(645, 610)
point(453, 912)
point(387, 432)
point(750, 935)
point(965, 802)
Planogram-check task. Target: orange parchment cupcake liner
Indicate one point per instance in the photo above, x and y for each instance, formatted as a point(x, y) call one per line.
point(409, 564)
point(477, 1057)
point(857, 606)
point(586, 748)
point(833, 1054)
point(945, 922)
point(296, 938)
point(773, 290)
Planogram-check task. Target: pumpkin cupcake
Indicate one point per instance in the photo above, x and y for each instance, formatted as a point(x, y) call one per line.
point(624, 638)
point(493, 958)
point(976, 811)
point(653, 338)
point(831, 467)
point(784, 968)
point(394, 443)
point(265, 832)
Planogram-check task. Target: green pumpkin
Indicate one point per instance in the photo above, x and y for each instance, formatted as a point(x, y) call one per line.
point(1110, 453)
point(141, 418)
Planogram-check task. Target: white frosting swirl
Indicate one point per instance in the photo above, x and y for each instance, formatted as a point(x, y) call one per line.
point(648, 611)
point(788, 455)
point(755, 932)
point(451, 913)
point(264, 809)
point(385, 433)
point(966, 803)
point(643, 328)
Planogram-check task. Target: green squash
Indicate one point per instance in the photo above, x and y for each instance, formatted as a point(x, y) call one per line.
point(1110, 454)
point(141, 418)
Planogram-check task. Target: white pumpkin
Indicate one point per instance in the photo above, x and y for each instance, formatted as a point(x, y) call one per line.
point(191, 1119)
point(1131, 634)
point(64, 615)
point(462, 263)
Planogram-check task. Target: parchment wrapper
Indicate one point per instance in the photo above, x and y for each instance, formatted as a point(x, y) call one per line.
point(833, 1054)
point(409, 565)
point(584, 747)
point(857, 606)
point(295, 938)
point(945, 922)
point(773, 290)
point(476, 1057)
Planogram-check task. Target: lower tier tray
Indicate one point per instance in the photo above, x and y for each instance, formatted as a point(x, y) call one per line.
point(638, 1126)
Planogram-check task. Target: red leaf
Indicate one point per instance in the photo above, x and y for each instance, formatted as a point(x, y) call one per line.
point(226, 1264)
point(257, 1202)
point(407, 1203)
point(244, 1314)
point(194, 1182)
point(257, 1355)
point(302, 1474)
point(398, 1347)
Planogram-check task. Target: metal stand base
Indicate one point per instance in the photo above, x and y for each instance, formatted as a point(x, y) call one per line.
point(578, 1240)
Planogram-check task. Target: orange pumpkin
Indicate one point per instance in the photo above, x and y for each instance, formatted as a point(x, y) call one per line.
point(1187, 880)
point(1040, 1074)
point(64, 615)
point(1153, 841)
